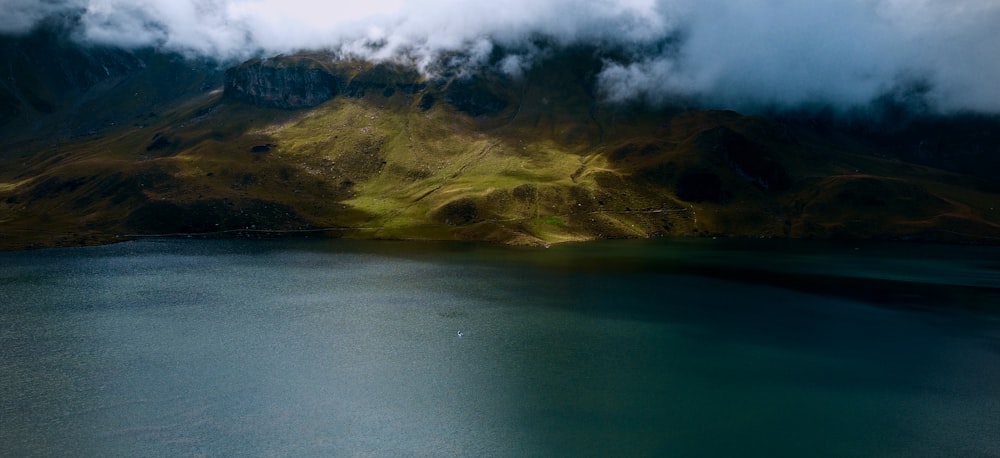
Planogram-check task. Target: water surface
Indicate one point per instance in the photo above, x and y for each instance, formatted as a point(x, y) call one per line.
point(338, 348)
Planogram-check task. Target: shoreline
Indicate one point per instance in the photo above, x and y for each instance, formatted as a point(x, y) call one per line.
point(71, 240)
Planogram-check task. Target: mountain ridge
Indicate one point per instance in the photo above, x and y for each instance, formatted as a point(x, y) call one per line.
point(310, 143)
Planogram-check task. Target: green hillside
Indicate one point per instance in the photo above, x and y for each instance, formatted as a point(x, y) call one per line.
point(307, 144)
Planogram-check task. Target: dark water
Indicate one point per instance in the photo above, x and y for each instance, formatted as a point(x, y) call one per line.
point(694, 348)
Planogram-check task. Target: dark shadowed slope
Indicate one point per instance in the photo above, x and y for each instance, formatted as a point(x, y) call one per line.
point(106, 144)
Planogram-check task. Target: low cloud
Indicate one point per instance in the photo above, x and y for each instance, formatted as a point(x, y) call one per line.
point(824, 52)
point(20, 16)
point(750, 55)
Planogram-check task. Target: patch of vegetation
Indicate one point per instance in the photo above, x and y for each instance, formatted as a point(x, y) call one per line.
point(534, 164)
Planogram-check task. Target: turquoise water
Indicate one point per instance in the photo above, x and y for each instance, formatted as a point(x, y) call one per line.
point(339, 348)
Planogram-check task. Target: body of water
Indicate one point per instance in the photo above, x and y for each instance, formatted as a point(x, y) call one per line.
point(341, 348)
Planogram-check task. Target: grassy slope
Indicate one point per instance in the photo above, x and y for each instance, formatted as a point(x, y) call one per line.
point(550, 168)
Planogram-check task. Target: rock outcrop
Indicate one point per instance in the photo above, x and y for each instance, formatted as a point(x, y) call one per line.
point(745, 157)
point(304, 82)
point(385, 79)
point(293, 82)
point(474, 99)
point(282, 83)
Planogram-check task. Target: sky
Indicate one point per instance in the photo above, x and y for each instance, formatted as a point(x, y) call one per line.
point(742, 54)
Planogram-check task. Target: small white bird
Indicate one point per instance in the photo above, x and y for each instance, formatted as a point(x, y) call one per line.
point(460, 333)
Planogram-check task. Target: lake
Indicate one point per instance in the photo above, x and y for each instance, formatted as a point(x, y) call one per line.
point(627, 348)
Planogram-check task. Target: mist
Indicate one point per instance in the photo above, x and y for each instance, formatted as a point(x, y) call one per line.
point(748, 55)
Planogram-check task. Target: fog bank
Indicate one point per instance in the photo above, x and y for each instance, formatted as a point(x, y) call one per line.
point(750, 54)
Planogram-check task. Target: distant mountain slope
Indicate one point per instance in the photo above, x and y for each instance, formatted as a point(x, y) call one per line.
point(54, 89)
point(104, 145)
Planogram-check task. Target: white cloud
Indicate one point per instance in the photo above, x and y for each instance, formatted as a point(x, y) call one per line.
point(733, 53)
point(20, 16)
point(773, 53)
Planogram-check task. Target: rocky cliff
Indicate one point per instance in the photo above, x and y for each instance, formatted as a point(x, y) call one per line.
point(53, 87)
point(295, 82)
point(282, 83)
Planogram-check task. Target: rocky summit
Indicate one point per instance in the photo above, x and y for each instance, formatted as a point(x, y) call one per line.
point(101, 145)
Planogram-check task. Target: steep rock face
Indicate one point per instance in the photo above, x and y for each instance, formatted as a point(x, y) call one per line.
point(294, 82)
point(745, 157)
point(10, 106)
point(45, 69)
point(386, 80)
point(967, 143)
point(56, 87)
point(474, 98)
point(282, 83)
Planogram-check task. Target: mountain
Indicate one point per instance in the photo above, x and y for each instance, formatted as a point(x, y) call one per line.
point(100, 145)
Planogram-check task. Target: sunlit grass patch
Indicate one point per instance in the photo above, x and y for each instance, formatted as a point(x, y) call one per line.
point(11, 186)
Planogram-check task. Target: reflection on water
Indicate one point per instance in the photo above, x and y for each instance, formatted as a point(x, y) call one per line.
point(696, 348)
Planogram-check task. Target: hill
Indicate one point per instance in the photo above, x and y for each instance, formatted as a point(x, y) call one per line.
point(101, 145)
